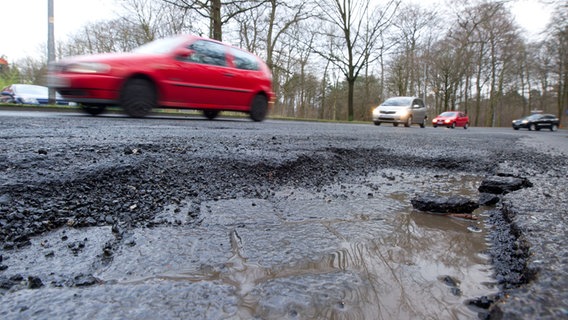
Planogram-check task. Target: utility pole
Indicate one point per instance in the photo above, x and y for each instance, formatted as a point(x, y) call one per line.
point(50, 44)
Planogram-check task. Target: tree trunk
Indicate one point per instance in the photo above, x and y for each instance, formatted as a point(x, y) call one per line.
point(323, 91)
point(478, 86)
point(216, 24)
point(350, 111)
point(269, 44)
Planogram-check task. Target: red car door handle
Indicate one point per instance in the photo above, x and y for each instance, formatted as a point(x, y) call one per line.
point(229, 75)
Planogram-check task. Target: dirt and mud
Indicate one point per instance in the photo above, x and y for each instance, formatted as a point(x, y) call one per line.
point(177, 217)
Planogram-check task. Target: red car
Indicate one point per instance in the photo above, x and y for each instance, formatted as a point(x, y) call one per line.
point(451, 119)
point(180, 72)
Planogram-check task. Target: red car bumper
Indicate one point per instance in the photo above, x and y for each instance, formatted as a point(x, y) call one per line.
point(84, 88)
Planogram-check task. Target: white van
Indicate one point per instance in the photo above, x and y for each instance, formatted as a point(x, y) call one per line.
point(405, 110)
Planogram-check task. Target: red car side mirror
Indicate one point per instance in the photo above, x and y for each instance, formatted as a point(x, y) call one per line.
point(183, 53)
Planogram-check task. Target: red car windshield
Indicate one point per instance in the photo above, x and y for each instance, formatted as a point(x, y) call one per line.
point(448, 114)
point(161, 46)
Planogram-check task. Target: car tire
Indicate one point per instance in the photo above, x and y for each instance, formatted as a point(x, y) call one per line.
point(515, 128)
point(138, 97)
point(435, 126)
point(395, 124)
point(423, 123)
point(554, 128)
point(210, 114)
point(93, 110)
point(408, 122)
point(377, 123)
point(532, 127)
point(258, 108)
point(466, 126)
point(453, 126)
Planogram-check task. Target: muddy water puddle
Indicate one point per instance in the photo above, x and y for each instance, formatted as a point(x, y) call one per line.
point(356, 251)
point(343, 252)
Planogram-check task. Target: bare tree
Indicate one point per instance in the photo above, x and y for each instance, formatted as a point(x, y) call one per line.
point(284, 15)
point(98, 37)
point(473, 40)
point(31, 70)
point(218, 12)
point(148, 19)
point(359, 29)
point(447, 73)
point(501, 34)
point(558, 43)
point(142, 22)
point(263, 30)
point(411, 27)
point(487, 41)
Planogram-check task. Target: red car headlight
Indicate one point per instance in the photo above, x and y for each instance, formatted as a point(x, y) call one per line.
point(87, 67)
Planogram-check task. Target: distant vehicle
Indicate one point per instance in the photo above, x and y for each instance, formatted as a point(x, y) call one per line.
point(451, 119)
point(401, 110)
point(29, 94)
point(535, 122)
point(184, 71)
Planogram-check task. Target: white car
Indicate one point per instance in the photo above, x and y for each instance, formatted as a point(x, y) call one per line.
point(30, 94)
point(397, 110)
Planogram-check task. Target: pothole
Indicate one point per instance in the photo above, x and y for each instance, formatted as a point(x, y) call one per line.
point(345, 251)
point(354, 250)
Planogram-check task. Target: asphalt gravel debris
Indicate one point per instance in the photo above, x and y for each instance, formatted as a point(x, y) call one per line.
point(112, 177)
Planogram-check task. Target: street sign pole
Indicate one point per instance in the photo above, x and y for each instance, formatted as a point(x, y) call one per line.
point(50, 44)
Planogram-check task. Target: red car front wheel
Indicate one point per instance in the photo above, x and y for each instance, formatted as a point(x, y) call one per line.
point(138, 97)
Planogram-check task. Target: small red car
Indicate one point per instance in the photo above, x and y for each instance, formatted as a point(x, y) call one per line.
point(451, 119)
point(179, 72)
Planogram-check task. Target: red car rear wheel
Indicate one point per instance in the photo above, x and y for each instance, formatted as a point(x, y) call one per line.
point(258, 108)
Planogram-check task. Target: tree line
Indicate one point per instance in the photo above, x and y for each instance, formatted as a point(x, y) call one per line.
point(338, 59)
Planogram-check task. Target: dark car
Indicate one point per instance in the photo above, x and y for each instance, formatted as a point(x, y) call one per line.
point(29, 94)
point(537, 121)
point(185, 71)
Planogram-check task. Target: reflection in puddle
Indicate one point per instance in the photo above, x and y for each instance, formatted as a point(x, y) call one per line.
point(400, 276)
point(348, 252)
point(423, 266)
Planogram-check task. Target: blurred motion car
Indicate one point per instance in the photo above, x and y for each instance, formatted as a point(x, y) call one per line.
point(537, 121)
point(29, 94)
point(451, 119)
point(401, 110)
point(184, 71)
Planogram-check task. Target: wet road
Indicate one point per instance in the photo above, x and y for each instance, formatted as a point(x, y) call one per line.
point(231, 219)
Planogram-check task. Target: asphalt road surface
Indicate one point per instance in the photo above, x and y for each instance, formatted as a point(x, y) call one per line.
point(178, 217)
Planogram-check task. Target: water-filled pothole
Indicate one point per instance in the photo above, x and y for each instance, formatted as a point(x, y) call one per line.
point(346, 251)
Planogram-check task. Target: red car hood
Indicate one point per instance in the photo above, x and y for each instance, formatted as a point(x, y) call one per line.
point(444, 118)
point(110, 58)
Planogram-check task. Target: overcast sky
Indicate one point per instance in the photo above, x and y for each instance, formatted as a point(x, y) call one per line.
point(24, 22)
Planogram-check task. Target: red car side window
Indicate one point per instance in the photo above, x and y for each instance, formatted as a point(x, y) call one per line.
point(208, 52)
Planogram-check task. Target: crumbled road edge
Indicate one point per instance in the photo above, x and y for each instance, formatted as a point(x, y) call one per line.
point(529, 250)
